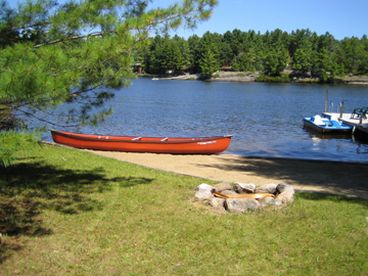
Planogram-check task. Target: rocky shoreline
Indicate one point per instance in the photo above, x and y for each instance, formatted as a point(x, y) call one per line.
point(220, 76)
point(252, 77)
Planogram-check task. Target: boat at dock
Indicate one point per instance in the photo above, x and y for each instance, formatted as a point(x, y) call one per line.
point(361, 131)
point(172, 145)
point(326, 125)
point(351, 119)
point(358, 120)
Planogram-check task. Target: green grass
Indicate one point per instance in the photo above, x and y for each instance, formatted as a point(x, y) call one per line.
point(70, 212)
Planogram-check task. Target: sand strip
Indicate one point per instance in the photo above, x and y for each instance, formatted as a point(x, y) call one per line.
point(347, 179)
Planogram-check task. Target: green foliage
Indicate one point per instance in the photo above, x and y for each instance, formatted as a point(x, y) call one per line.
point(278, 79)
point(275, 61)
point(8, 35)
point(52, 53)
point(326, 66)
point(11, 142)
point(302, 61)
point(208, 65)
point(167, 55)
point(194, 43)
point(247, 61)
point(303, 52)
point(354, 55)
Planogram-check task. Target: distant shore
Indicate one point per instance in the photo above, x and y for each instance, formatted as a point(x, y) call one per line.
point(254, 77)
point(220, 76)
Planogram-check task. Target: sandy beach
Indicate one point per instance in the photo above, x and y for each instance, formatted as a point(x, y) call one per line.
point(348, 179)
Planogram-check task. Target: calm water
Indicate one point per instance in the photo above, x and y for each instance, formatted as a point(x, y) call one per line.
point(265, 119)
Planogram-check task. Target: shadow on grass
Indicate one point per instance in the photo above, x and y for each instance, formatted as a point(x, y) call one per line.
point(336, 177)
point(26, 189)
point(7, 248)
point(331, 197)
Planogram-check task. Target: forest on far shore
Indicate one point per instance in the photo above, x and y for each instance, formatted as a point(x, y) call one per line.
point(276, 54)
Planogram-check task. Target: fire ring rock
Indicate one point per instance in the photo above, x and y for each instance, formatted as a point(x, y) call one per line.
point(241, 205)
point(243, 197)
point(223, 186)
point(204, 192)
point(286, 193)
point(244, 187)
point(268, 188)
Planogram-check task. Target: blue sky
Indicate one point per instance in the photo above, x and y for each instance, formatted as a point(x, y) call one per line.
point(341, 18)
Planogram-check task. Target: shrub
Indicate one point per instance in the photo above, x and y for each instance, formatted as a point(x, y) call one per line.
point(11, 142)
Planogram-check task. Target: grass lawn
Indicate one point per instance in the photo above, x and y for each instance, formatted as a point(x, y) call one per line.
point(64, 211)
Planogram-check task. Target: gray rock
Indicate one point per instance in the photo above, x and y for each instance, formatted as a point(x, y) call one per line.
point(269, 201)
point(282, 187)
point(278, 202)
point(203, 195)
point(217, 203)
point(286, 197)
point(243, 188)
point(204, 192)
point(286, 193)
point(223, 186)
point(204, 186)
point(267, 188)
point(241, 205)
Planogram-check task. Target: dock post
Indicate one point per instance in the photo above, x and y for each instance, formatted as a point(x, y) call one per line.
point(341, 109)
point(326, 100)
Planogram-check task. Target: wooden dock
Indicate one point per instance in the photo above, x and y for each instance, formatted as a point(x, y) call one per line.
point(347, 118)
point(360, 125)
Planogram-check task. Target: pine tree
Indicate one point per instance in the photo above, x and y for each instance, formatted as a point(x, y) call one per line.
point(208, 64)
point(53, 53)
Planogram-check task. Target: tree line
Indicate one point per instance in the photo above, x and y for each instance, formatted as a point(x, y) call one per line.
point(301, 53)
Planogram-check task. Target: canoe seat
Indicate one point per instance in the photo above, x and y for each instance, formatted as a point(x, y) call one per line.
point(164, 139)
point(136, 138)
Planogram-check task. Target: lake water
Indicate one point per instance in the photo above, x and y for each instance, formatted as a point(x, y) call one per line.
point(265, 119)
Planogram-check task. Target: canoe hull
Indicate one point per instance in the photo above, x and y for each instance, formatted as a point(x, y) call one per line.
point(202, 145)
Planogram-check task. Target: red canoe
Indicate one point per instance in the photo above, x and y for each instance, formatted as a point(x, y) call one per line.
point(200, 145)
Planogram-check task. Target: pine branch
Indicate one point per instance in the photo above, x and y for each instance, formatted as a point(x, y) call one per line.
point(42, 119)
point(69, 38)
point(38, 24)
point(79, 92)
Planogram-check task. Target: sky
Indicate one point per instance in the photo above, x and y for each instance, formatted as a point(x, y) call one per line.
point(341, 18)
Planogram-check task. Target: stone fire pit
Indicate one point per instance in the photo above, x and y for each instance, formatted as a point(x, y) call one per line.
point(242, 197)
